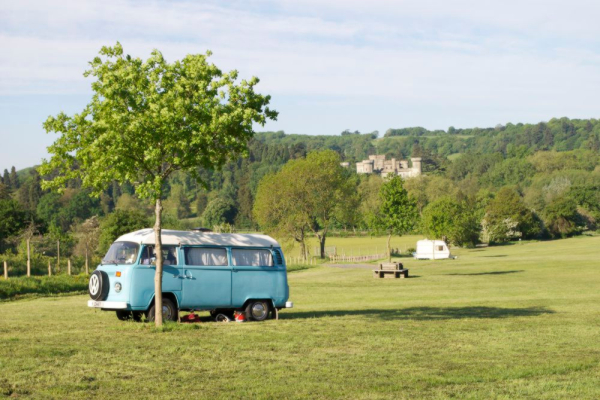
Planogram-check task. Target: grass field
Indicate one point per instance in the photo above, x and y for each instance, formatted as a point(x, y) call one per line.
point(508, 322)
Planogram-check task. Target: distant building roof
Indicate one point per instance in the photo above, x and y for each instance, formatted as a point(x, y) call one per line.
point(170, 237)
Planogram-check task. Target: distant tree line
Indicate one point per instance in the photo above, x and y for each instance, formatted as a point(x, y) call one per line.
point(490, 185)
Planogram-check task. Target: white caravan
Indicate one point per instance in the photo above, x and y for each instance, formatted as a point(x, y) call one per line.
point(432, 250)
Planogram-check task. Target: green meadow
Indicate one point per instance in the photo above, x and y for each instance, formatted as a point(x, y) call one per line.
point(507, 322)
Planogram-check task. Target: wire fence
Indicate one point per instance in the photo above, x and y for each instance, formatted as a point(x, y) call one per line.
point(345, 258)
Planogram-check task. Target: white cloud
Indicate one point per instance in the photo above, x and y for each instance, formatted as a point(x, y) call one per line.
point(469, 54)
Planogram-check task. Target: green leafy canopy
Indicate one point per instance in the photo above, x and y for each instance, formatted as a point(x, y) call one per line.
point(150, 118)
point(398, 212)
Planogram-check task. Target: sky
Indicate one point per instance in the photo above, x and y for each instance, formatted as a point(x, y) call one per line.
point(328, 65)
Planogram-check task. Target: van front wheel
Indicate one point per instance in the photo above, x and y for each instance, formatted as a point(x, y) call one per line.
point(258, 310)
point(123, 315)
point(168, 309)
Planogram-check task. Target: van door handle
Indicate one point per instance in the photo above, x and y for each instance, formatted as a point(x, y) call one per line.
point(188, 275)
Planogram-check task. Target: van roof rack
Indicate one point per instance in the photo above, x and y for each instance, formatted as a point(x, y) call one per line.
point(200, 229)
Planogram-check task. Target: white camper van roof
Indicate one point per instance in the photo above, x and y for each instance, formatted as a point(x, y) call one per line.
point(435, 242)
point(170, 237)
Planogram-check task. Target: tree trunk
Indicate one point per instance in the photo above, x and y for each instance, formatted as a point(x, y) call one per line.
point(389, 249)
point(322, 244)
point(87, 269)
point(28, 258)
point(303, 249)
point(58, 256)
point(158, 320)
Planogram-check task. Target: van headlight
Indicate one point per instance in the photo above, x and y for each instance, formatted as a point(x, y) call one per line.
point(118, 287)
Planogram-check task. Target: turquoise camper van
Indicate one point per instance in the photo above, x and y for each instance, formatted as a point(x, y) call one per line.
point(217, 272)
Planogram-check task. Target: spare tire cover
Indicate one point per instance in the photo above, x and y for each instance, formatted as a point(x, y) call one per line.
point(98, 286)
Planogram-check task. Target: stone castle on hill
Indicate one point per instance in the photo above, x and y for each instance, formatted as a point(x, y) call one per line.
point(378, 164)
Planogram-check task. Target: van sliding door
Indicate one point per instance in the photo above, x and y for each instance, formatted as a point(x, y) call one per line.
point(206, 278)
point(255, 276)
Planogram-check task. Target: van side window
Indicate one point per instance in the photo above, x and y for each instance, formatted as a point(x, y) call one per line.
point(203, 256)
point(254, 258)
point(169, 255)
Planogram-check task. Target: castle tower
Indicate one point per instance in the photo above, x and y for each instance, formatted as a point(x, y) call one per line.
point(416, 166)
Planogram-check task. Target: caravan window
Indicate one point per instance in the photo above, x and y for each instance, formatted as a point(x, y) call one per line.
point(254, 258)
point(203, 256)
point(440, 248)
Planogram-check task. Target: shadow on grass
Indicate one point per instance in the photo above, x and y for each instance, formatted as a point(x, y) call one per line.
point(425, 313)
point(499, 255)
point(489, 273)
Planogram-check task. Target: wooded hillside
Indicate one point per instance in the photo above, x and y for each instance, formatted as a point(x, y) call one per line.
point(550, 170)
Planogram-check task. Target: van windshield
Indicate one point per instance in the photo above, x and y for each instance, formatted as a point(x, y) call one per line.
point(121, 253)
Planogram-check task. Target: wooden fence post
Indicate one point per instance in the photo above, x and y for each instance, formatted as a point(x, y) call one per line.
point(49, 269)
point(87, 270)
point(28, 259)
point(69, 266)
point(5, 270)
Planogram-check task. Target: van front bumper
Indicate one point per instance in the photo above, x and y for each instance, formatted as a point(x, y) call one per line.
point(110, 305)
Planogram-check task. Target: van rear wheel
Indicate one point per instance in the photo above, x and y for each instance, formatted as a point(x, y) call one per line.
point(258, 310)
point(169, 311)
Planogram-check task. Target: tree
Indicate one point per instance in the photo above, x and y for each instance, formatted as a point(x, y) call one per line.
point(370, 202)
point(311, 192)
point(6, 179)
point(4, 193)
point(281, 215)
point(452, 221)
point(219, 211)
point(201, 203)
point(49, 208)
point(12, 219)
point(56, 233)
point(14, 179)
point(29, 192)
point(148, 119)
point(324, 188)
point(561, 217)
point(179, 203)
point(397, 213)
point(348, 214)
point(438, 187)
point(119, 223)
point(89, 235)
point(508, 218)
point(417, 189)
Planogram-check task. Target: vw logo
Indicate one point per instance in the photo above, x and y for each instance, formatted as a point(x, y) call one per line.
point(94, 284)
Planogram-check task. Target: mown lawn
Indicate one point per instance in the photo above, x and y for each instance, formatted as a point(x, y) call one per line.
point(518, 321)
